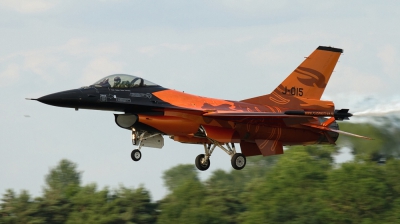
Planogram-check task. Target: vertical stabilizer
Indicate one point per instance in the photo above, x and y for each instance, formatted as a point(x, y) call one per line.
point(310, 78)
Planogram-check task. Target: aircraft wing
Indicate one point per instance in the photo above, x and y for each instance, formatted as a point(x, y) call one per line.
point(271, 119)
point(241, 114)
point(246, 114)
point(261, 118)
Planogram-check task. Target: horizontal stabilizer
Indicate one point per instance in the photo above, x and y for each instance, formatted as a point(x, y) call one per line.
point(337, 131)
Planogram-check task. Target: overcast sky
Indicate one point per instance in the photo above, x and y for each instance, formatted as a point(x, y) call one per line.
point(223, 49)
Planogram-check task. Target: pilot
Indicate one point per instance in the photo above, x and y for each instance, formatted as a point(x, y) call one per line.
point(124, 84)
point(117, 82)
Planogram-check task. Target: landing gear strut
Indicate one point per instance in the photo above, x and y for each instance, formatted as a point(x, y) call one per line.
point(143, 138)
point(136, 155)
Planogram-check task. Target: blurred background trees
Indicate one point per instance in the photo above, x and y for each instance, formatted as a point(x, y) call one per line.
point(304, 185)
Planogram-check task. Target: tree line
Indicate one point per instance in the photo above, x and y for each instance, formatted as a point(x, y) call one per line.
point(304, 185)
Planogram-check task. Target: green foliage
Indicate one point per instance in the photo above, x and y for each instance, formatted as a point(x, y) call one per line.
point(217, 200)
point(386, 142)
point(236, 181)
point(182, 205)
point(302, 186)
point(122, 205)
point(179, 175)
point(19, 208)
point(292, 192)
point(64, 200)
point(306, 186)
point(63, 179)
point(358, 192)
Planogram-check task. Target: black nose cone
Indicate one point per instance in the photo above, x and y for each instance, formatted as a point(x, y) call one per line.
point(69, 98)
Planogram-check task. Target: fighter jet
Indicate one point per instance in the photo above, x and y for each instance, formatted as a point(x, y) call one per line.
point(292, 114)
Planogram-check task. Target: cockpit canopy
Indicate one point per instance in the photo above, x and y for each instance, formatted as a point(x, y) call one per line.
point(123, 81)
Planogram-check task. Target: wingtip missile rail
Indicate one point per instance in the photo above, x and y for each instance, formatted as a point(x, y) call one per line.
point(340, 115)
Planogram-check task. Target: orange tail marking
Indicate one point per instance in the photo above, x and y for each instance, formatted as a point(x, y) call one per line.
point(308, 80)
point(311, 77)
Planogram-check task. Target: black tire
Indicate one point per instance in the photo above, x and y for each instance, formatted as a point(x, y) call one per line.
point(136, 155)
point(238, 161)
point(202, 166)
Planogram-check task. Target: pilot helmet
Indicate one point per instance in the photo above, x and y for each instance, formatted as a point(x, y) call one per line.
point(117, 80)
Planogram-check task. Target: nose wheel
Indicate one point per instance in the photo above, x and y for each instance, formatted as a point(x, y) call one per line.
point(136, 155)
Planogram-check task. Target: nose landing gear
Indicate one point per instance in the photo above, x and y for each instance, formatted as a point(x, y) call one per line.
point(136, 155)
point(143, 138)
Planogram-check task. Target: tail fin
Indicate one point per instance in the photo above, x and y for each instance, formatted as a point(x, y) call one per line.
point(311, 77)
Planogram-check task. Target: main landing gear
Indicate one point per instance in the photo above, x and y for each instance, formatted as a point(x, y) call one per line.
point(238, 160)
point(202, 163)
